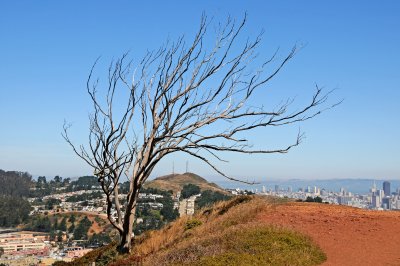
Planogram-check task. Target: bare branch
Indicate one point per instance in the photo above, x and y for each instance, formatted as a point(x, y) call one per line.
point(185, 97)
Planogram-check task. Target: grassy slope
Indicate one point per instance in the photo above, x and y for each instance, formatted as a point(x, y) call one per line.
point(175, 182)
point(226, 234)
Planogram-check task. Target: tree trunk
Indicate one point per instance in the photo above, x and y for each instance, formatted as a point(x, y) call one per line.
point(126, 236)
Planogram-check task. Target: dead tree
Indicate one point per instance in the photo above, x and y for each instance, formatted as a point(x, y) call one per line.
point(189, 98)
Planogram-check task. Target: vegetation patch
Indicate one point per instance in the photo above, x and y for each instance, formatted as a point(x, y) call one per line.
point(192, 224)
point(256, 244)
point(264, 245)
point(189, 190)
point(210, 197)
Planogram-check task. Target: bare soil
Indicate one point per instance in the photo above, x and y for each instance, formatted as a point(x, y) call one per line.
point(348, 236)
point(95, 228)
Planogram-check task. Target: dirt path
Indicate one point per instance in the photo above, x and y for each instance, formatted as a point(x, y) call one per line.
point(348, 236)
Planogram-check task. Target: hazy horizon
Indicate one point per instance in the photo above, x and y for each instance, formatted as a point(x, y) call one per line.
point(216, 178)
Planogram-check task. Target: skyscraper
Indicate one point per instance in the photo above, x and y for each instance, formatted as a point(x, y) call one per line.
point(386, 203)
point(375, 200)
point(381, 193)
point(373, 189)
point(386, 188)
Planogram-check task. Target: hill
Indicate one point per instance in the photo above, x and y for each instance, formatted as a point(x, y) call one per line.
point(228, 233)
point(175, 182)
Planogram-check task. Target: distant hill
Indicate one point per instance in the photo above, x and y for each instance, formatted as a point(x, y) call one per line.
point(175, 182)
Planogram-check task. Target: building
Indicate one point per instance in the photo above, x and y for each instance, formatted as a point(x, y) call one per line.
point(186, 206)
point(373, 189)
point(76, 252)
point(386, 188)
point(23, 243)
point(386, 203)
point(344, 200)
point(375, 200)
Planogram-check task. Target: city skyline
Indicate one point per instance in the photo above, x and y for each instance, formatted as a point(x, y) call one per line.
point(49, 49)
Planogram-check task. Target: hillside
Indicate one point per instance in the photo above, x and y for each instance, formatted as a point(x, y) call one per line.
point(99, 222)
point(46, 223)
point(228, 233)
point(175, 182)
point(267, 231)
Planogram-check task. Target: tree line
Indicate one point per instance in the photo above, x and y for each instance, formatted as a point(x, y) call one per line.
point(14, 188)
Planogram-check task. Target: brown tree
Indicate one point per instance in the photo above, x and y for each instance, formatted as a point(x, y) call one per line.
point(184, 97)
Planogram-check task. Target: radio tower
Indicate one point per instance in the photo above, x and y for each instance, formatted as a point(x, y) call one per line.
point(187, 166)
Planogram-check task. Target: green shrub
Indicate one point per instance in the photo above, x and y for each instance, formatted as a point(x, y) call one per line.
point(189, 190)
point(192, 224)
point(263, 245)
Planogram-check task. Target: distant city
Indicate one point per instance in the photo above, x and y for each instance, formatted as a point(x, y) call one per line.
point(376, 198)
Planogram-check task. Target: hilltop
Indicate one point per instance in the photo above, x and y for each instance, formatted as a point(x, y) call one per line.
point(348, 236)
point(175, 182)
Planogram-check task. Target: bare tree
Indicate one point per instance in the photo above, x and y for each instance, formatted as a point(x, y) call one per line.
point(182, 98)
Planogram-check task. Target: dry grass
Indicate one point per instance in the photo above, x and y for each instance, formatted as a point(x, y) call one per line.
point(211, 219)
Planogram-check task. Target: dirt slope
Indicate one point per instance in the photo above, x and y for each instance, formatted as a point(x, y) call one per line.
point(348, 236)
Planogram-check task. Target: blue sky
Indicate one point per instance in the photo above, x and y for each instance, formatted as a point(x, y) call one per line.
point(48, 47)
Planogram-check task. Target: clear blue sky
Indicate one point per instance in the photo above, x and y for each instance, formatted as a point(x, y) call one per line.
point(48, 47)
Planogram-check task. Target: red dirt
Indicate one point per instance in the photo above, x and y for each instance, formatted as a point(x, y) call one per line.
point(348, 236)
point(95, 228)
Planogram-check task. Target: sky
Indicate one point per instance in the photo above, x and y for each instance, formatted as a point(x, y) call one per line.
point(48, 47)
